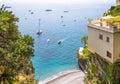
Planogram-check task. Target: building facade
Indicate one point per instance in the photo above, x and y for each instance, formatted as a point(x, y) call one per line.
point(104, 40)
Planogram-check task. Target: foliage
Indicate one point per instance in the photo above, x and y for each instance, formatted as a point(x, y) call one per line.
point(89, 20)
point(93, 68)
point(102, 70)
point(86, 53)
point(15, 49)
point(114, 11)
point(112, 20)
point(84, 40)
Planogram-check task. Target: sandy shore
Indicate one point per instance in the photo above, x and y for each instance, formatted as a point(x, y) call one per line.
point(67, 77)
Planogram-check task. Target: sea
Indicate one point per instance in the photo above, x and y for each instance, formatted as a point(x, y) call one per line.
point(51, 58)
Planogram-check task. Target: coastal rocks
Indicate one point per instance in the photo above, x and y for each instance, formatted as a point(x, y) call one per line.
point(82, 63)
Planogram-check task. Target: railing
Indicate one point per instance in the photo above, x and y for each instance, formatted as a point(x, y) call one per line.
point(110, 29)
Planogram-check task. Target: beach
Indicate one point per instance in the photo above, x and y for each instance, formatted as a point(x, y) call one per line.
point(67, 77)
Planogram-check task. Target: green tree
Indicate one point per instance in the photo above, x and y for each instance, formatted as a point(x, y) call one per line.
point(15, 49)
point(84, 40)
point(90, 20)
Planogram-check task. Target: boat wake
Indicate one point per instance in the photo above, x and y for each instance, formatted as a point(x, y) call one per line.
point(60, 41)
point(63, 39)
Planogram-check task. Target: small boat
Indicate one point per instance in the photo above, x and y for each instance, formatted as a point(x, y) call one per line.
point(48, 10)
point(75, 20)
point(25, 18)
point(64, 25)
point(29, 10)
point(66, 11)
point(61, 16)
point(59, 42)
point(39, 30)
point(32, 12)
point(48, 40)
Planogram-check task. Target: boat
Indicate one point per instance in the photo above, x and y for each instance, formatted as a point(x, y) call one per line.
point(74, 20)
point(63, 25)
point(29, 10)
point(48, 10)
point(59, 42)
point(39, 30)
point(61, 16)
point(48, 40)
point(32, 12)
point(66, 11)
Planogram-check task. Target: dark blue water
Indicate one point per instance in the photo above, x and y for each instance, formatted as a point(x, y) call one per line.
point(52, 58)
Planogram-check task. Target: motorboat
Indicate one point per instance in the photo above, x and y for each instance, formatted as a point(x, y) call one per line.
point(59, 42)
point(66, 11)
point(75, 20)
point(64, 25)
point(48, 40)
point(32, 12)
point(29, 10)
point(61, 16)
point(47, 10)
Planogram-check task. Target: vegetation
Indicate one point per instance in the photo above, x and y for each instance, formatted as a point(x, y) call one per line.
point(113, 20)
point(15, 51)
point(84, 40)
point(99, 71)
point(90, 20)
point(114, 11)
point(102, 70)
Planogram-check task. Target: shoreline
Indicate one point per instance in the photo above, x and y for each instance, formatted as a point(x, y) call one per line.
point(66, 76)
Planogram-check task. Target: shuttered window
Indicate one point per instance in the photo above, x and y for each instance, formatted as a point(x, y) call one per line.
point(101, 36)
point(109, 54)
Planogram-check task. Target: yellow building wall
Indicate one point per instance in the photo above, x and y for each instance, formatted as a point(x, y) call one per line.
point(100, 46)
point(116, 46)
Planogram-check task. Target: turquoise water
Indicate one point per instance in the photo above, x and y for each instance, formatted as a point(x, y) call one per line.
point(52, 58)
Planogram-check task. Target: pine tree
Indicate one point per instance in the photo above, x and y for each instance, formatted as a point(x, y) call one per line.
point(15, 49)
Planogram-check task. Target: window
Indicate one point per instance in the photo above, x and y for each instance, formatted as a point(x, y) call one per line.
point(107, 39)
point(101, 36)
point(109, 54)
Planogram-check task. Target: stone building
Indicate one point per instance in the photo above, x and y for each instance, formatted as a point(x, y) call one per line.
point(104, 39)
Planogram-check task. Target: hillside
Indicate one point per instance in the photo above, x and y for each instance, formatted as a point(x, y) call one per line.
point(16, 51)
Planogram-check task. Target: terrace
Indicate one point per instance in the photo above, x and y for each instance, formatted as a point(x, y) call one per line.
point(107, 24)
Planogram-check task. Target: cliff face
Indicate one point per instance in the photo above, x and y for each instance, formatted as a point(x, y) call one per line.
point(98, 70)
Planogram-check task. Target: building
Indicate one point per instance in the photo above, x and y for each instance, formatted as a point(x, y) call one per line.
point(104, 39)
point(117, 2)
